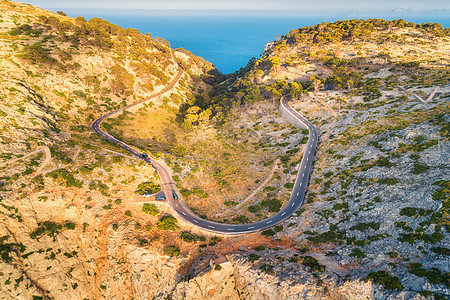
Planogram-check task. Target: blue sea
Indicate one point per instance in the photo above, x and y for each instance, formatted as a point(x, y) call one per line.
point(227, 41)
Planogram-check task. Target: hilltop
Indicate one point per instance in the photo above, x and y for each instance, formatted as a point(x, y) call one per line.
point(73, 219)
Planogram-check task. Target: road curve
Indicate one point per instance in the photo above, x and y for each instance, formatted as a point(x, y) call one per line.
point(167, 185)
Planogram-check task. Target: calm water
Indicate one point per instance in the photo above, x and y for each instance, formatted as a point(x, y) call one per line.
point(226, 41)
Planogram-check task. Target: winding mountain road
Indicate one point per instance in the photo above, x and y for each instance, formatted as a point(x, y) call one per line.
point(167, 184)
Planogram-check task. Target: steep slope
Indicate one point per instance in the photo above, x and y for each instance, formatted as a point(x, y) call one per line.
point(68, 222)
point(377, 207)
point(73, 223)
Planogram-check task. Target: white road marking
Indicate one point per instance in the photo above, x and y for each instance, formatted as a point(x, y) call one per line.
point(283, 213)
point(251, 227)
point(230, 229)
point(307, 158)
point(268, 222)
point(211, 226)
point(298, 193)
point(183, 213)
point(309, 152)
point(293, 204)
point(303, 175)
point(195, 221)
point(176, 205)
point(301, 183)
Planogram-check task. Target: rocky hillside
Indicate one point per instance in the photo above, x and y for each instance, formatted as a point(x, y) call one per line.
point(74, 224)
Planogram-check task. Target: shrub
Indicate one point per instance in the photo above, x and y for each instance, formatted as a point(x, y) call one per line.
point(434, 275)
point(70, 225)
point(217, 267)
point(49, 228)
point(289, 185)
point(268, 232)
point(150, 208)
point(386, 280)
point(172, 251)
point(274, 205)
point(419, 168)
point(364, 226)
point(241, 219)
point(441, 250)
point(259, 248)
point(254, 208)
point(190, 237)
point(168, 223)
point(413, 211)
point(147, 187)
point(230, 203)
point(388, 181)
point(313, 264)
point(128, 213)
point(62, 176)
point(357, 253)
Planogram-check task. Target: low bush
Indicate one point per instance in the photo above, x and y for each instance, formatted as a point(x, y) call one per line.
point(274, 205)
point(147, 187)
point(240, 219)
point(150, 208)
point(168, 223)
point(313, 264)
point(386, 280)
point(172, 251)
point(357, 253)
point(190, 237)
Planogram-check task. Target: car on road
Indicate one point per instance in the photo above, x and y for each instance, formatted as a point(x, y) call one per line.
point(174, 195)
point(144, 155)
point(160, 197)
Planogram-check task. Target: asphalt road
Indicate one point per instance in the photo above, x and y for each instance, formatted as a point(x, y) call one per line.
point(167, 184)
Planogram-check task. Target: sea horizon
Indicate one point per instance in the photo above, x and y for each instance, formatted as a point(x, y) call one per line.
point(228, 39)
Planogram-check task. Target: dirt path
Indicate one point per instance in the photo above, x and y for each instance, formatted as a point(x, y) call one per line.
point(430, 97)
point(45, 149)
point(333, 112)
point(48, 158)
point(263, 184)
point(75, 156)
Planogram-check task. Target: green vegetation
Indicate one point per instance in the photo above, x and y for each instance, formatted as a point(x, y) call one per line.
point(172, 251)
point(168, 223)
point(388, 181)
point(443, 192)
point(357, 253)
point(147, 187)
point(150, 208)
point(274, 205)
point(190, 237)
point(230, 203)
point(413, 211)
point(62, 176)
point(334, 235)
point(46, 228)
point(434, 275)
point(268, 232)
point(254, 208)
point(6, 249)
point(386, 280)
point(419, 168)
point(441, 250)
point(241, 219)
point(313, 264)
point(419, 235)
point(253, 257)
